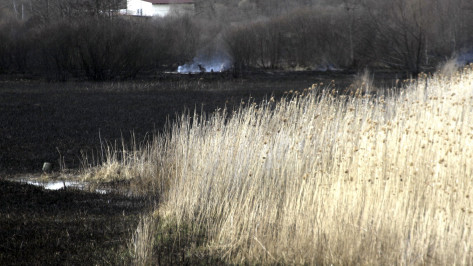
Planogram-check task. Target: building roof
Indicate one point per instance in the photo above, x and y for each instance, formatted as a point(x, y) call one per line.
point(164, 2)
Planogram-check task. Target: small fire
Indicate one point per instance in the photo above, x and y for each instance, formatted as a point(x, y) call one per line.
point(201, 65)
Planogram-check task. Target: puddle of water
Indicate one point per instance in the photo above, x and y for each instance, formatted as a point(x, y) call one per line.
point(56, 185)
point(59, 184)
point(73, 184)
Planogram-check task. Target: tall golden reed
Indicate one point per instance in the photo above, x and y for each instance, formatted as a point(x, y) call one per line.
point(318, 178)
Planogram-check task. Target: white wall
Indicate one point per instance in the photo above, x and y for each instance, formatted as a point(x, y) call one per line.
point(179, 9)
point(143, 8)
point(139, 8)
point(161, 10)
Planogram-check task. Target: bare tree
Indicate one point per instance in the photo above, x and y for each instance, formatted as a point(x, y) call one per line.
point(240, 44)
point(401, 27)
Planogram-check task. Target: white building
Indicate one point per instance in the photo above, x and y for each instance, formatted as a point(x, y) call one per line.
point(160, 8)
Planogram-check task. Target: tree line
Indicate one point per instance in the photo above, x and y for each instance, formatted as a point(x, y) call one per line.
point(63, 39)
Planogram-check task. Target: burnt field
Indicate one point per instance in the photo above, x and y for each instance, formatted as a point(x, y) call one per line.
point(65, 227)
point(44, 121)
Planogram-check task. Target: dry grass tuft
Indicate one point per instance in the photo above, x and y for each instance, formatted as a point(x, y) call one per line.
point(142, 242)
point(141, 166)
point(317, 178)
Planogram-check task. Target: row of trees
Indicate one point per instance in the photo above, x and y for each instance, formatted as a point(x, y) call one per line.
point(66, 38)
point(412, 35)
point(95, 48)
point(51, 10)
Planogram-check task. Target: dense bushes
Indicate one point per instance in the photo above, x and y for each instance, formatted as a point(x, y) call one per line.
point(300, 39)
point(97, 48)
point(412, 35)
point(409, 35)
point(14, 46)
point(107, 50)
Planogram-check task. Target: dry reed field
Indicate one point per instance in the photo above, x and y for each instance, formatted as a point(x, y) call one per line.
point(317, 178)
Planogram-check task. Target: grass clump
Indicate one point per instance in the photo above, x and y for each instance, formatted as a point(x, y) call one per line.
point(159, 241)
point(318, 178)
point(139, 168)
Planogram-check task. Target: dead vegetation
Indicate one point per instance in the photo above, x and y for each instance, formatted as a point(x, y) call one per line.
point(318, 178)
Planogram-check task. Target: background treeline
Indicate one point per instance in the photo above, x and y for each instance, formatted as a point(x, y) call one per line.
point(62, 39)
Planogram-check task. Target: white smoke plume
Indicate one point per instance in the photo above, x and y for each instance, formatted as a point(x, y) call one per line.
point(465, 58)
point(214, 63)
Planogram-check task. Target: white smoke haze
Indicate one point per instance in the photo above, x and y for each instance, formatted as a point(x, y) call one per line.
point(451, 66)
point(465, 58)
point(214, 63)
point(327, 67)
